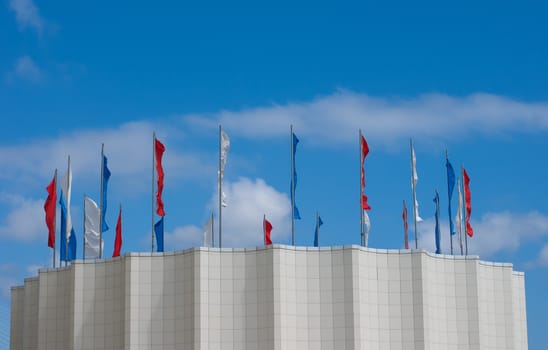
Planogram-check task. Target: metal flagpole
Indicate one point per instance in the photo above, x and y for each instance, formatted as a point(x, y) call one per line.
point(362, 234)
point(67, 229)
point(292, 156)
point(449, 207)
point(212, 231)
point(459, 213)
point(464, 210)
point(101, 206)
point(84, 232)
point(220, 190)
point(55, 220)
point(438, 233)
point(318, 227)
point(153, 164)
point(413, 170)
point(264, 229)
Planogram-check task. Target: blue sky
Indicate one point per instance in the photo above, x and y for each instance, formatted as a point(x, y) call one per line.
point(464, 76)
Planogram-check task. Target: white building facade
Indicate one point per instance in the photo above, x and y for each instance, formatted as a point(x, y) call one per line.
point(276, 297)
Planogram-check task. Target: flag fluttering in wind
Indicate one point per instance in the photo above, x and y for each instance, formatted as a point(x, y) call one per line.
point(93, 244)
point(159, 232)
point(295, 141)
point(118, 239)
point(437, 231)
point(458, 217)
point(105, 178)
point(267, 229)
point(225, 147)
point(364, 152)
point(49, 207)
point(68, 237)
point(319, 223)
point(468, 197)
point(450, 189)
point(405, 226)
point(208, 232)
point(414, 180)
point(159, 150)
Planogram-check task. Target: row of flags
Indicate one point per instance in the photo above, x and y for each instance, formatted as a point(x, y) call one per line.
point(463, 213)
point(95, 223)
point(94, 218)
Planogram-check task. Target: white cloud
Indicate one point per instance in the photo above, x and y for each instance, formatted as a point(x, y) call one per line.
point(128, 148)
point(27, 15)
point(494, 233)
point(543, 256)
point(248, 200)
point(25, 220)
point(336, 118)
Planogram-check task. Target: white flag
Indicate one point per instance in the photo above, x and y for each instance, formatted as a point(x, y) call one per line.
point(458, 217)
point(66, 189)
point(225, 147)
point(92, 223)
point(208, 231)
point(414, 184)
point(366, 227)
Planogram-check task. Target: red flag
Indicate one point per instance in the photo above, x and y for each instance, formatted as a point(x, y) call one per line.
point(267, 228)
point(405, 226)
point(118, 239)
point(364, 153)
point(468, 197)
point(159, 151)
point(49, 208)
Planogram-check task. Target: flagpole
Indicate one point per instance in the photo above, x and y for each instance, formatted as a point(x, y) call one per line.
point(67, 229)
point(153, 164)
point(438, 235)
point(362, 238)
point(405, 237)
point(318, 226)
point(55, 219)
point(220, 189)
point(449, 199)
point(264, 229)
point(292, 186)
point(212, 231)
point(414, 193)
point(459, 213)
point(84, 232)
point(101, 199)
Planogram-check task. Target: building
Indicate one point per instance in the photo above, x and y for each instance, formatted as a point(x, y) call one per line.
point(275, 297)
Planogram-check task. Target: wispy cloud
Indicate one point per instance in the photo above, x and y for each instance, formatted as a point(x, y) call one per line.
point(24, 220)
point(334, 119)
point(27, 15)
point(248, 200)
point(502, 232)
point(543, 256)
point(25, 69)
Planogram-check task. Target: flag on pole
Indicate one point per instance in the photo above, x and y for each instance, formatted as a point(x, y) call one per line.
point(296, 214)
point(208, 232)
point(437, 231)
point(468, 196)
point(414, 180)
point(118, 239)
point(458, 217)
point(225, 147)
point(450, 188)
point(159, 232)
point(405, 226)
point(72, 245)
point(106, 177)
point(92, 239)
point(319, 223)
point(49, 207)
point(366, 225)
point(66, 191)
point(159, 152)
point(364, 153)
point(267, 229)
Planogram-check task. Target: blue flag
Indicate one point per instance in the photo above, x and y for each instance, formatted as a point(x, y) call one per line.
point(437, 201)
point(296, 214)
point(159, 232)
point(63, 254)
point(106, 176)
point(450, 188)
point(317, 232)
